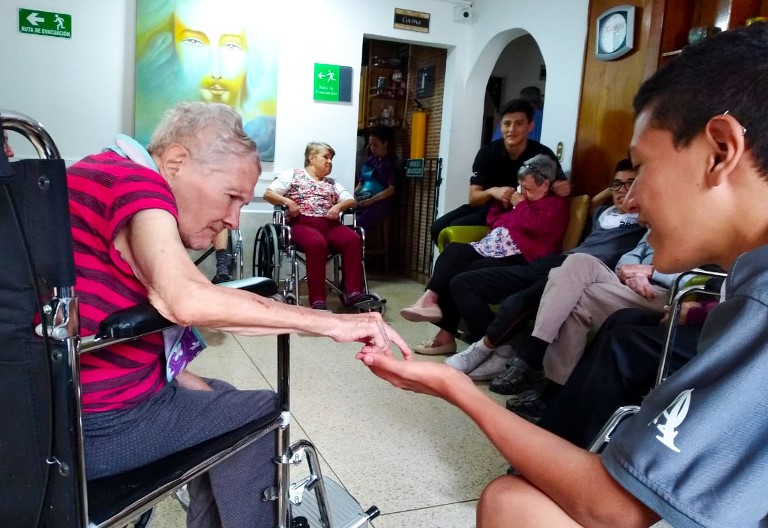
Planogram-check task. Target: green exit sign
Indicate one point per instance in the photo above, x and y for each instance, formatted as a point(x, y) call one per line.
point(333, 83)
point(36, 22)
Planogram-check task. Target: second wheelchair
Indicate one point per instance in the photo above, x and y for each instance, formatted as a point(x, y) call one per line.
point(276, 255)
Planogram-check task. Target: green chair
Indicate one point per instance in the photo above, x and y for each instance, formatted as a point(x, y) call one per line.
point(580, 206)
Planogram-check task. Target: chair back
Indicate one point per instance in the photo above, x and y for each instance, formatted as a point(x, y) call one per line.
point(576, 222)
point(38, 453)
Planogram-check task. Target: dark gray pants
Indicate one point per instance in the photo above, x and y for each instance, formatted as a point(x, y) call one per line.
point(229, 495)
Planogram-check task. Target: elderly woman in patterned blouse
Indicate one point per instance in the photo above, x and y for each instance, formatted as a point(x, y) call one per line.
point(315, 203)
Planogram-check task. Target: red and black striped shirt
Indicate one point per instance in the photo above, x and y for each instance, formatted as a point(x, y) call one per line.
point(105, 191)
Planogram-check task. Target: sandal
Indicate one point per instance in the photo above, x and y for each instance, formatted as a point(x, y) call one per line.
point(519, 377)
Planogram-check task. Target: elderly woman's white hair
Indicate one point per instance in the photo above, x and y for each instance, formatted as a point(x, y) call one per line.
point(210, 131)
point(540, 167)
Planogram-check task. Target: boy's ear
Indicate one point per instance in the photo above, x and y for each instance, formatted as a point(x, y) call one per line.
point(726, 137)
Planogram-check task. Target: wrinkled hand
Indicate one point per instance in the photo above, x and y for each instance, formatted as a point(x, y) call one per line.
point(516, 198)
point(191, 381)
point(634, 270)
point(371, 330)
point(293, 209)
point(642, 286)
point(333, 213)
point(562, 188)
point(503, 194)
point(684, 309)
point(423, 377)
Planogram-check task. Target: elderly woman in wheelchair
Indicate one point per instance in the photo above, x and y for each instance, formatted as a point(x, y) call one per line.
point(134, 213)
point(314, 205)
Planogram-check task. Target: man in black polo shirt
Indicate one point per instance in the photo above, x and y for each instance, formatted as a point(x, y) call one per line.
point(494, 172)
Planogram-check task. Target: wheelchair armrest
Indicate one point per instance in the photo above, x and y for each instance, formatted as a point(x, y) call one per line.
point(145, 319)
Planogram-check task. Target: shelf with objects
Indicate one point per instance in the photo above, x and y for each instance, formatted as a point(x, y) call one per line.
point(387, 84)
point(688, 22)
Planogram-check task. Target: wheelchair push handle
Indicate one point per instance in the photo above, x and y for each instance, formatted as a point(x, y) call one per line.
point(32, 130)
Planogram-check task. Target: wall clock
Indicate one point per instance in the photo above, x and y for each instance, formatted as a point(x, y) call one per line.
point(615, 32)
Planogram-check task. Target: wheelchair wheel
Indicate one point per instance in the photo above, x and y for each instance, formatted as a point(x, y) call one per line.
point(266, 253)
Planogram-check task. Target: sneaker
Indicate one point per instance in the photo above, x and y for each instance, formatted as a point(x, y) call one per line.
point(471, 358)
point(221, 277)
point(528, 405)
point(429, 348)
point(422, 314)
point(490, 368)
point(518, 378)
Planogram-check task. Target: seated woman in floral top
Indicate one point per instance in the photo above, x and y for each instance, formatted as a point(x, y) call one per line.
point(315, 203)
point(525, 226)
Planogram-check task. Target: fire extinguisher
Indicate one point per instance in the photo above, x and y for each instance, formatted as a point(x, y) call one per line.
point(418, 131)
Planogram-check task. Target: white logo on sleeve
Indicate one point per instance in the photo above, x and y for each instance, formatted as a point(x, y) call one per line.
point(673, 416)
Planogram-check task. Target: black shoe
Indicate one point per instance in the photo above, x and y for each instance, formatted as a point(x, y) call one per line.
point(357, 298)
point(528, 405)
point(519, 377)
point(221, 277)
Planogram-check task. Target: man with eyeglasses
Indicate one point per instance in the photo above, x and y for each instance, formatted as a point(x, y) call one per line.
point(518, 289)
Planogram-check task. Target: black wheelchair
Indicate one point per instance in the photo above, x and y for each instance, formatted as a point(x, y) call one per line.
point(276, 256)
point(42, 462)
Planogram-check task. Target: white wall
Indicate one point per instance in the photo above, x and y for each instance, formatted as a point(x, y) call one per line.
point(520, 66)
point(81, 89)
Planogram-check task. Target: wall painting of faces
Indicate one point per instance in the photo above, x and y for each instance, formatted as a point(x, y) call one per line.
point(208, 50)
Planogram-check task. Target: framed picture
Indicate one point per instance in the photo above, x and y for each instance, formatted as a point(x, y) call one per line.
point(615, 32)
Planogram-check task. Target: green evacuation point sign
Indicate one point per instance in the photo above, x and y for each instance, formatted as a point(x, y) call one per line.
point(36, 22)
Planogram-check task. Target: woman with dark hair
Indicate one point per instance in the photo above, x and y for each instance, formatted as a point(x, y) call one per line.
point(375, 189)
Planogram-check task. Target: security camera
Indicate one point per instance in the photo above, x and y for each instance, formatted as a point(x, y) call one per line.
point(462, 14)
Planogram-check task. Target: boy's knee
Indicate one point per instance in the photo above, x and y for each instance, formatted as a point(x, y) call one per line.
point(500, 499)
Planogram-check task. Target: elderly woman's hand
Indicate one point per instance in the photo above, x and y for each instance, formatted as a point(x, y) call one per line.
point(293, 209)
point(333, 213)
point(371, 330)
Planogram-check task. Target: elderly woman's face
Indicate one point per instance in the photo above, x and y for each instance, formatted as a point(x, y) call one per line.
point(211, 47)
point(209, 198)
point(322, 164)
point(531, 191)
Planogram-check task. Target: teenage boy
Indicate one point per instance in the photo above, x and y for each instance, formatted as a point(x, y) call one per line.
point(494, 171)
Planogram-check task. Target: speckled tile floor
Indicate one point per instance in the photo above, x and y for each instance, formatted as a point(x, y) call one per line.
point(421, 461)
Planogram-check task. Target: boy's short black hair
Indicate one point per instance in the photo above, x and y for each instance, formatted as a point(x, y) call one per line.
point(724, 73)
point(518, 105)
point(624, 165)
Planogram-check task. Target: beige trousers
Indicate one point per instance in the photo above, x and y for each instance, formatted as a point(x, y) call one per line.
point(580, 295)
